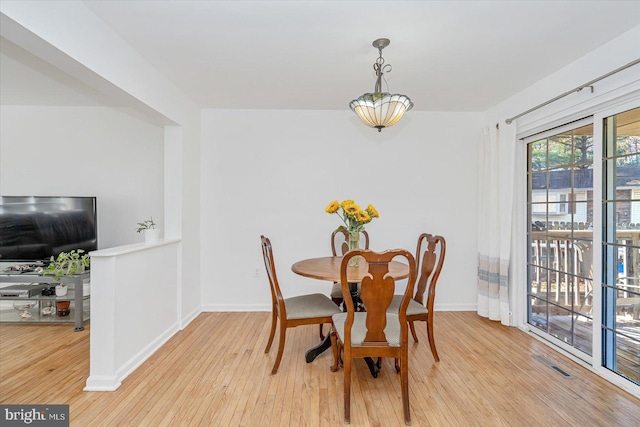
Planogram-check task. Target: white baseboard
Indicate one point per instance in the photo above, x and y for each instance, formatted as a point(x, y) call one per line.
point(146, 352)
point(235, 307)
point(190, 317)
point(111, 383)
point(455, 307)
point(95, 383)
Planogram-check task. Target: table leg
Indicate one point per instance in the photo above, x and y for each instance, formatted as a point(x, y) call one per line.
point(355, 297)
point(316, 351)
point(79, 305)
point(325, 344)
point(374, 368)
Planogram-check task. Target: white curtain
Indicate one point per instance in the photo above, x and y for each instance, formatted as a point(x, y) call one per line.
point(495, 216)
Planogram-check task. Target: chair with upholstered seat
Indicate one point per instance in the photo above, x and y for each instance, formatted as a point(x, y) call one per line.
point(314, 309)
point(430, 255)
point(376, 332)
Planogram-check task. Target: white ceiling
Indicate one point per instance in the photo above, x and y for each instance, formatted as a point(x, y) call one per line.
point(446, 55)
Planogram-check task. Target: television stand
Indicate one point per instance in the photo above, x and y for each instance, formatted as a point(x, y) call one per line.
point(79, 311)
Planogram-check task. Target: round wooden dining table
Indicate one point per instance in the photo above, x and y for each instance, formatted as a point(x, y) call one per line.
point(328, 268)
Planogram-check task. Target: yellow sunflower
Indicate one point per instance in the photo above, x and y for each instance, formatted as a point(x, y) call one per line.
point(346, 203)
point(363, 217)
point(372, 211)
point(351, 210)
point(332, 207)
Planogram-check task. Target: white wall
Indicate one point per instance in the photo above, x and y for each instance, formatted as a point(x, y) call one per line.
point(274, 172)
point(86, 151)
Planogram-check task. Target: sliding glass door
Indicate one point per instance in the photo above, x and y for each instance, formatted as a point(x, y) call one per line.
point(562, 302)
point(621, 244)
point(560, 235)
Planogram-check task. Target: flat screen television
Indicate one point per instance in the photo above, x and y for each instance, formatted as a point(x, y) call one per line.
point(34, 228)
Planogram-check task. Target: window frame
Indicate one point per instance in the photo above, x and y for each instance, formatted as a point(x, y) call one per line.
point(555, 202)
point(536, 126)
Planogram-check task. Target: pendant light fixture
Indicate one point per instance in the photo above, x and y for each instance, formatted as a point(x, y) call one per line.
point(380, 109)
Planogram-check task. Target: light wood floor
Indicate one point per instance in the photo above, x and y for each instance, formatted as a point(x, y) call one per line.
point(215, 373)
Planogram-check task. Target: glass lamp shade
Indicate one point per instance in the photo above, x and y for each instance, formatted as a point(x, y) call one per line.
point(381, 110)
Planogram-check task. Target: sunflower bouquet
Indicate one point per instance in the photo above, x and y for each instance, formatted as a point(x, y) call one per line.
point(352, 215)
point(354, 219)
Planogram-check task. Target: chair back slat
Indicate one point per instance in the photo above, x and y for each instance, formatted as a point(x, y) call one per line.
point(430, 255)
point(376, 295)
point(276, 295)
point(339, 239)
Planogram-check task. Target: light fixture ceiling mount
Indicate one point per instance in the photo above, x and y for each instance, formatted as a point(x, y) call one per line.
point(381, 43)
point(380, 109)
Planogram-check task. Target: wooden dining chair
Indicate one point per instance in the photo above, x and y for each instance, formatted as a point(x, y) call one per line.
point(430, 254)
point(311, 309)
point(376, 332)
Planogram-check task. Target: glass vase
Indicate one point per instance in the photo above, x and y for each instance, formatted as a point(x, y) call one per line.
point(354, 243)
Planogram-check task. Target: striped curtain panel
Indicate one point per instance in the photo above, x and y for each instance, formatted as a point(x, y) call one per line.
point(495, 214)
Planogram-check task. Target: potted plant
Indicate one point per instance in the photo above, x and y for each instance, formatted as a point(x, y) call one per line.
point(67, 264)
point(148, 229)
